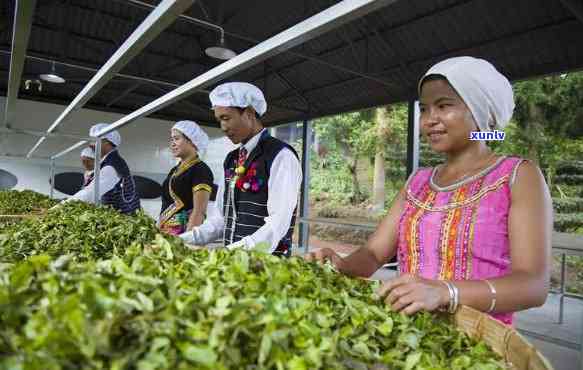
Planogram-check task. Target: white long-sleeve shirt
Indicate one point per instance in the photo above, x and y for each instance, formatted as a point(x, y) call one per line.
point(108, 178)
point(284, 182)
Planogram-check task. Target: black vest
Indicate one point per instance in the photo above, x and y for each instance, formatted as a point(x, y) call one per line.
point(251, 206)
point(123, 197)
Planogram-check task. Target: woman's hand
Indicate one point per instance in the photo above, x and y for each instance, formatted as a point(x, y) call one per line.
point(409, 294)
point(326, 254)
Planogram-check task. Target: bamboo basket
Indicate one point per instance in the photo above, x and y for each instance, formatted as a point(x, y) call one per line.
point(503, 339)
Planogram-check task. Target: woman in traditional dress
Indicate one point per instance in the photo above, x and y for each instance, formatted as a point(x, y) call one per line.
point(189, 185)
point(475, 230)
point(88, 161)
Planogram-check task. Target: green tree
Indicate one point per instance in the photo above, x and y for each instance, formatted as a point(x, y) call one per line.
point(347, 134)
point(548, 121)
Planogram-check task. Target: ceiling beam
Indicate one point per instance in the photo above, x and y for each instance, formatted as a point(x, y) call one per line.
point(93, 7)
point(427, 59)
point(319, 57)
point(76, 65)
point(166, 115)
point(295, 90)
point(21, 32)
point(41, 134)
point(109, 45)
point(472, 48)
point(575, 7)
point(355, 56)
point(158, 20)
point(203, 10)
point(125, 93)
point(185, 102)
point(331, 18)
point(253, 42)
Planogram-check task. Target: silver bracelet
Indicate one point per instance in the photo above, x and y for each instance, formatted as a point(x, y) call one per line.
point(493, 291)
point(456, 298)
point(451, 291)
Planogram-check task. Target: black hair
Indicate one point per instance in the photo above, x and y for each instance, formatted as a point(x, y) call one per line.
point(437, 77)
point(241, 110)
point(431, 77)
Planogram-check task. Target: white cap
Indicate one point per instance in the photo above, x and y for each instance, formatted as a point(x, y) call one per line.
point(487, 92)
point(238, 94)
point(113, 137)
point(194, 133)
point(88, 153)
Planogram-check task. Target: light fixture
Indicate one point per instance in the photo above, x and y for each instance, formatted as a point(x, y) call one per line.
point(221, 51)
point(52, 76)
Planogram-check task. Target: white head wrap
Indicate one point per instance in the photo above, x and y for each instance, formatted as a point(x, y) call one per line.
point(88, 153)
point(487, 93)
point(238, 94)
point(113, 137)
point(194, 133)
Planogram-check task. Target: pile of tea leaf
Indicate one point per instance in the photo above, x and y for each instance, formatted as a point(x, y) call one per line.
point(81, 229)
point(167, 307)
point(84, 287)
point(15, 202)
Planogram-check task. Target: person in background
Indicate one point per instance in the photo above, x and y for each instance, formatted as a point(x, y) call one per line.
point(475, 230)
point(189, 185)
point(116, 185)
point(257, 201)
point(88, 162)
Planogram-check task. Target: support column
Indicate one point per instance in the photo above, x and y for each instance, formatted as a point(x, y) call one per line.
point(412, 137)
point(304, 228)
point(96, 171)
point(52, 178)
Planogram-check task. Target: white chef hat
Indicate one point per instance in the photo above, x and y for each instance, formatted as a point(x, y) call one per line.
point(194, 133)
point(113, 137)
point(88, 153)
point(487, 92)
point(238, 94)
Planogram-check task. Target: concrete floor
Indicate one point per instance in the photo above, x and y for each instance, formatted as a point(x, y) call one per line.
point(560, 346)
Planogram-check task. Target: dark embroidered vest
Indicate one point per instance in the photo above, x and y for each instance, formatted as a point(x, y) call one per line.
point(251, 206)
point(123, 197)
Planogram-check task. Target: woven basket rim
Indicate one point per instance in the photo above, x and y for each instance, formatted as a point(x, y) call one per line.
point(505, 340)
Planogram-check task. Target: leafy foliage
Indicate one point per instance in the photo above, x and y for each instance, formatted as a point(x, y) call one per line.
point(167, 308)
point(568, 205)
point(14, 202)
point(570, 167)
point(559, 99)
point(87, 231)
point(85, 287)
point(569, 222)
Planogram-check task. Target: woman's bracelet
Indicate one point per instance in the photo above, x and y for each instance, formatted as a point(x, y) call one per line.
point(453, 296)
point(456, 298)
point(493, 291)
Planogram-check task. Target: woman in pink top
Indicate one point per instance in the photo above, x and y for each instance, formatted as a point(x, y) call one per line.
point(475, 230)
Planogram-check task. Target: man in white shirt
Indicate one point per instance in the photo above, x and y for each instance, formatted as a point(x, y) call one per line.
point(258, 200)
point(116, 185)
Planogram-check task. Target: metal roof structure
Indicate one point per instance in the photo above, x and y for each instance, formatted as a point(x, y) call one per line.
point(373, 60)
